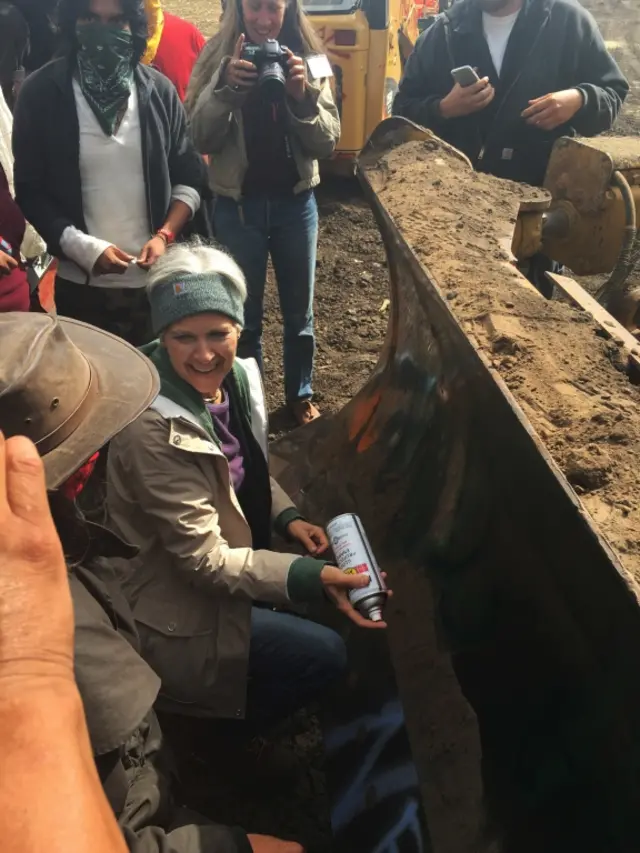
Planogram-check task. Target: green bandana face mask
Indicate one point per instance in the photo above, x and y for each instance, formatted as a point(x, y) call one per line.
point(105, 53)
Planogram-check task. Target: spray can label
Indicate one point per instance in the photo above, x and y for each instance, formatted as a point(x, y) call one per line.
point(354, 555)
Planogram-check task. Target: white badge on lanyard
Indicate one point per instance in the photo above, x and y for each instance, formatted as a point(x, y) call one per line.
point(319, 66)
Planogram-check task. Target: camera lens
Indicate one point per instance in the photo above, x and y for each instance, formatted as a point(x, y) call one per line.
point(271, 80)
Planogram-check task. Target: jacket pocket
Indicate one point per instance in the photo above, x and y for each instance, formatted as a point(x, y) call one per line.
point(179, 642)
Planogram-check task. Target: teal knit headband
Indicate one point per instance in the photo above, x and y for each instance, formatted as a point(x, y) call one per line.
point(194, 293)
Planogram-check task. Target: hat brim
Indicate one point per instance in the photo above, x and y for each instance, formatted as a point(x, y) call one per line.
point(127, 385)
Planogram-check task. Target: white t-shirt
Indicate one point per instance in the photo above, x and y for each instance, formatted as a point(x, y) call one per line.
point(497, 32)
point(113, 197)
point(113, 190)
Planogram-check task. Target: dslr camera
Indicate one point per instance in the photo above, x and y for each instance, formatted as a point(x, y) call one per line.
point(270, 58)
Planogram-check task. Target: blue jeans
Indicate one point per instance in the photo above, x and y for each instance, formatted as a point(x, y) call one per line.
point(291, 662)
point(287, 229)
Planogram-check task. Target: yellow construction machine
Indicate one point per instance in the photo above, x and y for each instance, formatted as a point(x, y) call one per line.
point(591, 223)
point(367, 42)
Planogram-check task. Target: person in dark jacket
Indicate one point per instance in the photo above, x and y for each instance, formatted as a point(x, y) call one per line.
point(101, 385)
point(14, 50)
point(544, 73)
point(39, 15)
point(104, 167)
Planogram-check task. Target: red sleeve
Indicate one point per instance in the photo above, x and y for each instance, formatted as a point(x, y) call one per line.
point(199, 41)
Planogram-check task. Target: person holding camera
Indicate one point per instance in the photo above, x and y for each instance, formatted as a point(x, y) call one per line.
point(261, 108)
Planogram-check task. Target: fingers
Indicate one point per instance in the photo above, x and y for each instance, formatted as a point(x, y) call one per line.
point(245, 72)
point(338, 578)
point(237, 51)
point(305, 539)
point(320, 538)
point(241, 74)
point(535, 108)
point(478, 87)
point(125, 257)
point(119, 266)
point(25, 488)
point(546, 119)
point(539, 105)
point(484, 97)
point(344, 606)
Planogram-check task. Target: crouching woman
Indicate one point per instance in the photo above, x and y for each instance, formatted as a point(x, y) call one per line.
point(188, 483)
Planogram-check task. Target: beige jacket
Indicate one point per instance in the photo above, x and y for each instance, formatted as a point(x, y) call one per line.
point(193, 583)
point(217, 131)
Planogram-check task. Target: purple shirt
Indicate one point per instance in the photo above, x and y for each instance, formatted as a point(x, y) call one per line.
point(229, 444)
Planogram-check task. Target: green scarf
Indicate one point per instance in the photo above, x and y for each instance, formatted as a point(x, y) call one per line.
point(183, 394)
point(105, 71)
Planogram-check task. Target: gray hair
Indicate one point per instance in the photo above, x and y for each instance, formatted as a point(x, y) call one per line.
point(194, 258)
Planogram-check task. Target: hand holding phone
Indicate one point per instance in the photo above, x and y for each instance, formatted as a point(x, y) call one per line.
point(465, 76)
point(470, 94)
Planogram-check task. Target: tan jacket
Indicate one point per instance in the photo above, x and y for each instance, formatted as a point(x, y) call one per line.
point(193, 583)
point(217, 131)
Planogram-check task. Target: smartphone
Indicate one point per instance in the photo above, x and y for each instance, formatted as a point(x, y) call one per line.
point(465, 76)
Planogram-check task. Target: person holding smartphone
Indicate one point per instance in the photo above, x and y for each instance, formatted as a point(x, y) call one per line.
point(501, 80)
point(540, 70)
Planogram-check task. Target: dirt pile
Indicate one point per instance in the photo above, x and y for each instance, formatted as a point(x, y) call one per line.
point(569, 381)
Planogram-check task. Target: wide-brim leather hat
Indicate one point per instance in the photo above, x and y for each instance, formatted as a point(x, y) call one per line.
point(69, 387)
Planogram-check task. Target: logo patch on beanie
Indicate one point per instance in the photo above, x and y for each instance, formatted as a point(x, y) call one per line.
point(179, 287)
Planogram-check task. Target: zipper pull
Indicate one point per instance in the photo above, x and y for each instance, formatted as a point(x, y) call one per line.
point(482, 150)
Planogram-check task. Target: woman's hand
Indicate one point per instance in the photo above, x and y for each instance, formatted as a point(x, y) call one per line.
point(296, 85)
point(151, 251)
point(337, 585)
point(240, 74)
point(36, 614)
point(112, 260)
point(7, 263)
point(312, 537)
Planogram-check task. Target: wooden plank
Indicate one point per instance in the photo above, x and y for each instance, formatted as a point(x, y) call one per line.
point(579, 296)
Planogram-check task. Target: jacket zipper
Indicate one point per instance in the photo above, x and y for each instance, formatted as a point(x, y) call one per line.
point(515, 81)
point(266, 409)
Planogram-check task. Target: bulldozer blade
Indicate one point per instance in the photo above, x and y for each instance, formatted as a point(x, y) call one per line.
point(513, 635)
point(395, 131)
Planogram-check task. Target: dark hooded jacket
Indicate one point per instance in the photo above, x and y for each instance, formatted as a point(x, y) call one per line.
point(554, 45)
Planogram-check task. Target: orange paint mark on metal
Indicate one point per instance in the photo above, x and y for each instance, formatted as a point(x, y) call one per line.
point(360, 425)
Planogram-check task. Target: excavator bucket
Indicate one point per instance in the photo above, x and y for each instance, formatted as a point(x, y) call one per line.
point(514, 631)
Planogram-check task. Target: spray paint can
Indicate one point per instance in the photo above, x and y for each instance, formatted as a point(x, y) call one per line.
point(354, 554)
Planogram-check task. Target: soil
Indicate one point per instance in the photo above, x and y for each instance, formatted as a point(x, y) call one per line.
point(619, 22)
point(569, 381)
